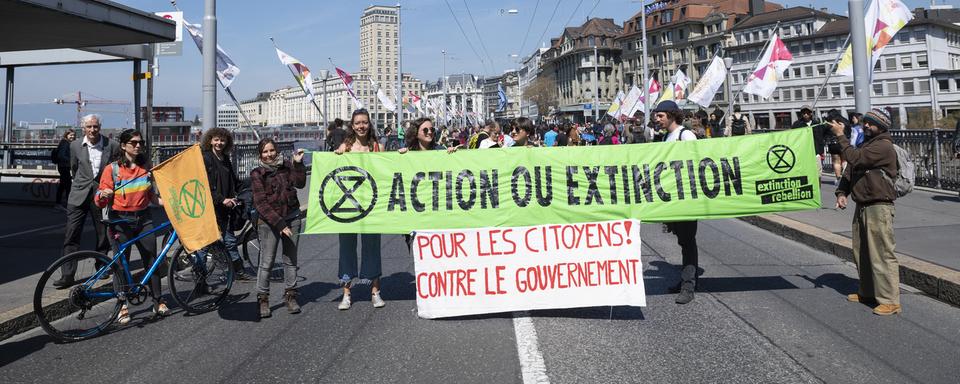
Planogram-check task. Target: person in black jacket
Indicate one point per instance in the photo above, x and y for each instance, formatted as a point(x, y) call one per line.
point(62, 159)
point(216, 146)
point(807, 120)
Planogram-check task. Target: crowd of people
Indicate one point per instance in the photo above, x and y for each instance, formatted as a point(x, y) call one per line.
point(98, 172)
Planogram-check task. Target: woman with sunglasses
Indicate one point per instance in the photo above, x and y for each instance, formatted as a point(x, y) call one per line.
point(126, 187)
point(420, 137)
point(360, 138)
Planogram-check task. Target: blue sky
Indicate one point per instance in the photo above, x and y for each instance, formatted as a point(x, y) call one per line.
point(314, 30)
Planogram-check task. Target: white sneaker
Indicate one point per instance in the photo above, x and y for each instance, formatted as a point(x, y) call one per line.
point(377, 301)
point(124, 316)
point(345, 303)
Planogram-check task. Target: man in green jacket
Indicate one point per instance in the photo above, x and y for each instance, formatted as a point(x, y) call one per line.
point(864, 181)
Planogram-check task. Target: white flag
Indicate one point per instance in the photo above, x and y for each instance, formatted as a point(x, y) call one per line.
point(709, 84)
point(632, 102)
point(774, 61)
point(382, 96)
point(680, 83)
point(227, 71)
point(615, 110)
point(300, 73)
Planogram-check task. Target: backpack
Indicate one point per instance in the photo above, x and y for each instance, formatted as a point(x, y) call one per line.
point(906, 172)
point(474, 141)
point(738, 126)
point(697, 133)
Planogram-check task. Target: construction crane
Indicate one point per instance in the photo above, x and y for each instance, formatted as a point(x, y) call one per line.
point(82, 103)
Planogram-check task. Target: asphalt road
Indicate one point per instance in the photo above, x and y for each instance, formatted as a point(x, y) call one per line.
point(770, 310)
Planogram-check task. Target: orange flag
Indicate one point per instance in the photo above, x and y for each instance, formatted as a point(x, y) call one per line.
point(182, 182)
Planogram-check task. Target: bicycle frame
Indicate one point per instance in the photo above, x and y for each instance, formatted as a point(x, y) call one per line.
point(125, 265)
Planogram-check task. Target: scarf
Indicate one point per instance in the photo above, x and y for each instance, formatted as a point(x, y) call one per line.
point(275, 164)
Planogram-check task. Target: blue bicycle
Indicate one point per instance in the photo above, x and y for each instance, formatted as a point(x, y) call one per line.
point(198, 284)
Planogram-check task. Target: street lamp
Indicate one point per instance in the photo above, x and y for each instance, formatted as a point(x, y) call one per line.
point(509, 11)
point(519, 89)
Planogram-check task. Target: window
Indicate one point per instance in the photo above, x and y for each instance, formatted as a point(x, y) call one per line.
point(922, 61)
point(818, 46)
point(903, 37)
point(906, 62)
point(808, 71)
point(798, 30)
point(821, 70)
point(766, 34)
point(785, 31)
point(891, 63)
point(835, 91)
point(786, 74)
point(806, 48)
point(876, 67)
point(943, 85)
point(848, 90)
point(667, 16)
point(682, 34)
point(810, 94)
point(920, 35)
point(796, 72)
point(878, 89)
point(924, 87)
point(908, 87)
point(798, 94)
point(893, 88)
point(831, 45)
point(786, 95)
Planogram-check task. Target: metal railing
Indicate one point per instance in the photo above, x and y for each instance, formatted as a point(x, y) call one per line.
point(245, 156)
point(933, 154)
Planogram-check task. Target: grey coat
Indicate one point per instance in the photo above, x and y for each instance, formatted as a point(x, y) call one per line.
point(84, 182)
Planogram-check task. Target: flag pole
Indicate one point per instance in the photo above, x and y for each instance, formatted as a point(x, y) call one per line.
point(833, 67)
point(250, 125)
point(776, 32)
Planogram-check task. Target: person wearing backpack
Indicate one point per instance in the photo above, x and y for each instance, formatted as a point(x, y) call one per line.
point(867, 180)
point(737, 124)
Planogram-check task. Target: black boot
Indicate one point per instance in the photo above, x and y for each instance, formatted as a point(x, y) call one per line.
point(688, 284)
point(290, 298)
point(264, 300)
point(239, 273)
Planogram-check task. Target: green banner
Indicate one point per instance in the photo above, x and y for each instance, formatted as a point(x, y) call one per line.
point(510, 187)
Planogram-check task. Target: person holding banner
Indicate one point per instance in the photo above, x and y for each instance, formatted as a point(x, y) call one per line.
point(670, 116)
point(215, 146)
point(360, 138)
point(420, 137)
point(275, 183)
point(126, 190)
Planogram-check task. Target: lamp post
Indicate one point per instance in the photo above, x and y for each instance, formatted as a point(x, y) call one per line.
point(728, 62)
point(596, 91)
point(444, 65)
point(323, 74)
point(209, 51)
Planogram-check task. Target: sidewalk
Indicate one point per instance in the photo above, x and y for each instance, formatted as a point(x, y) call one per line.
point(926, 227)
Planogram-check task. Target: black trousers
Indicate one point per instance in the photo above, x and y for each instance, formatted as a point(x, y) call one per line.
point(142, 221)
point(76, 215)
point(63, 187)
point(686, 232)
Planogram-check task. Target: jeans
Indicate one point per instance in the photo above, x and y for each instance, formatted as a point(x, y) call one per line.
point(269, 239)
point(686, 232)
point(369, 260)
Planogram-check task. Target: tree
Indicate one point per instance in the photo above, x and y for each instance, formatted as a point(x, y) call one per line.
point(542, 92)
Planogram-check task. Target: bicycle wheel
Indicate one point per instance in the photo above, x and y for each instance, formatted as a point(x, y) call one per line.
point(200, 283)
point(250, 247)
point(86, 308)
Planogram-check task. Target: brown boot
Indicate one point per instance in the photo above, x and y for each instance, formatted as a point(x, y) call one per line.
point(264, 300)
point(290, 298)
point(853, 297)
point(887, 309)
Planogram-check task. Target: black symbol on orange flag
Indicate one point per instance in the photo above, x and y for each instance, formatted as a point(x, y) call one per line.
point(780, 158)
point(349, 205)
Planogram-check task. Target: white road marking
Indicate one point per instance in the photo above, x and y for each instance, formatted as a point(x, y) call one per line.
point(531, 361)
point(41, 229)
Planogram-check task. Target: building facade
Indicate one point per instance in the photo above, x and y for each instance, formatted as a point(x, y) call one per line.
point(584, 63)
point(228, 116)
point(464, 94)
point(915, 76)
point(530, 68)
point(491, 97)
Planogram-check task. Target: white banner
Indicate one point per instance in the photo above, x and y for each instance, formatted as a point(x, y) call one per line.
point(490, 270)
point(709, 83)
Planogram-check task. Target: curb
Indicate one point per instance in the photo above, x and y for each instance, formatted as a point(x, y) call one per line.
point(936, 281)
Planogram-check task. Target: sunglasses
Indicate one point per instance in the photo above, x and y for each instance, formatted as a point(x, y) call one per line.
point(136, 143)
point(428, 130)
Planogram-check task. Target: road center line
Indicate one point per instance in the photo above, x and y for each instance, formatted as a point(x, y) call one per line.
point(528, 350)
point(49, 227)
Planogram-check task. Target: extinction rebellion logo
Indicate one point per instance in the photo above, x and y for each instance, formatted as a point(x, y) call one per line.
point(781, 159)
point(355, 192)
point(190, 200)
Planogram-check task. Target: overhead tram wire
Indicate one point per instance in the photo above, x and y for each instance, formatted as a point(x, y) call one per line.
point(479, 37)
point(567, 24)
point(523, 44)
point(547, 26)
point(464, 34)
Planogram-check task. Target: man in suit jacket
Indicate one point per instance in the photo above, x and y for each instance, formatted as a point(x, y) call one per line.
point(88, 158)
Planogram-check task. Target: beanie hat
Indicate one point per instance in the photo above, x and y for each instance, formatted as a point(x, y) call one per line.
point(879, 117)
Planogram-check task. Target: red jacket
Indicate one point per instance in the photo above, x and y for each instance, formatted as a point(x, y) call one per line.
point(275, 192)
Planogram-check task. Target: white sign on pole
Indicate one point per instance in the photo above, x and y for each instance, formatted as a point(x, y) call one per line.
point(174, 48)
point(490, 270)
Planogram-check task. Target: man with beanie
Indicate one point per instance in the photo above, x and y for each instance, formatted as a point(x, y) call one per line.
point(868, 180)
point(669, 116)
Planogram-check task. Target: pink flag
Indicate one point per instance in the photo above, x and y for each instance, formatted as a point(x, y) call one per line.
point(774, 61)
point(348, 83)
